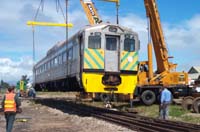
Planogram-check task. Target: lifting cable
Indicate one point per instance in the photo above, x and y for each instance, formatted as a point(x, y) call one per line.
point(41, 5)
point(33, 23)
point(58, 6)
point(66, 19)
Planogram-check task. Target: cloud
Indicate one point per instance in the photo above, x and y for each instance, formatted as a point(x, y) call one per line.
point(11, 71)
point(182, 39)
point(193, 23)
point(184, 43)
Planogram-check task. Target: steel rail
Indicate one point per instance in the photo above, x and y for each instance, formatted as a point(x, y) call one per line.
point(129, 120)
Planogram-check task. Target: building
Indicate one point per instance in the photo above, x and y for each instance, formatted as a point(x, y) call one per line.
point(194, 74)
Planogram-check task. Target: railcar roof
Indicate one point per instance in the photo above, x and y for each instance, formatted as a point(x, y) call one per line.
point(85, 28)
point(99, 26)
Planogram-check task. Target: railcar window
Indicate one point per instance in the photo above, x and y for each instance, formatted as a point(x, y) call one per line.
point(94, 42)
point(64, 57)
point(60, 59)
point(129, 44)
point(41, 68)
point(70, 44)
point(52, 63)
point(70, 54)
point(75, 52)
point(56, 61)
point(45, 66)
point(48, 65)
point(111, 43)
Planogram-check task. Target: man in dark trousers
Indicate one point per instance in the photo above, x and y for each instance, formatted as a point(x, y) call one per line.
point(10, 105)
point(165, 100)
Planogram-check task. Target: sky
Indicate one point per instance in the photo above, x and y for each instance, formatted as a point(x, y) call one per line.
point(180, 21)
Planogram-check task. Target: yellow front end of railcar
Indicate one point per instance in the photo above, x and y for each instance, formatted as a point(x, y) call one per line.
point(92, 83)
point(92, 76)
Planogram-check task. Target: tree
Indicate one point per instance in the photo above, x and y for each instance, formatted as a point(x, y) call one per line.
point(4, 85)
point(25, 78)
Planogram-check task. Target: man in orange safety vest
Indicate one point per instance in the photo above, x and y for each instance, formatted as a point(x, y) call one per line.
point(10, 105)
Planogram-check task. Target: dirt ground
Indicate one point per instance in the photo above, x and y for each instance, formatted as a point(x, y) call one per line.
point(39, 118)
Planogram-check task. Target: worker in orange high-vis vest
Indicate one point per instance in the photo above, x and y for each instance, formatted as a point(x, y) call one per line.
point(10, 104)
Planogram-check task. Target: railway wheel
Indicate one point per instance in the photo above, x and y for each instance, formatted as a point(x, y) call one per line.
point(105, 97)
point(187, 103)
point(196, 105)
point(148, 97)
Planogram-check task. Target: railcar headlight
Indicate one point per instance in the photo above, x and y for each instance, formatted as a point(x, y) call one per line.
point(97, 33)
point(131, 36)
point(127, 36)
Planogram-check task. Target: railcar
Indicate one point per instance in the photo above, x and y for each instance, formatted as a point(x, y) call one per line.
point(97, 59)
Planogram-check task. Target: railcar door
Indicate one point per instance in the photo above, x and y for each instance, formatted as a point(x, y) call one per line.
point(112, 54)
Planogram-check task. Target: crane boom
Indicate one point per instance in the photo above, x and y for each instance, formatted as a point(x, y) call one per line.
point(150, 82)
point(157, 36)
point(91, 12)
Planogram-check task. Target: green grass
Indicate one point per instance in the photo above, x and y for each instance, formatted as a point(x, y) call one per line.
point(150, 111)
point(191, 119)
point(176, 113)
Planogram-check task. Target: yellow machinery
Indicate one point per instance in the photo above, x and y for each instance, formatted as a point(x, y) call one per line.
point(165, 75)
point(34, 23)
point(91, 12)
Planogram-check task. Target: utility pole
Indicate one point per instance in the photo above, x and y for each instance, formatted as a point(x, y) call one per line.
point(117, 11)
point(117, 8)
point(66, 2)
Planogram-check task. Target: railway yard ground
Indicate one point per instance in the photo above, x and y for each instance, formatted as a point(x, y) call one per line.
point(52, 112)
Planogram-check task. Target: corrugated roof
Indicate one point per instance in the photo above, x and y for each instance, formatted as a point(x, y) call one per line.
point(197, 68)
point(194, 68)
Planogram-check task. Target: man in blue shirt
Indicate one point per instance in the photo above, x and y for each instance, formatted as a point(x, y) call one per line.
point(166, 98)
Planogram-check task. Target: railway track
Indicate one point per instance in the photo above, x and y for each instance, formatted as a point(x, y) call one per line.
point(129, 120)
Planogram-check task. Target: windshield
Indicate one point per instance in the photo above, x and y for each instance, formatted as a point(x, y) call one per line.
point(94, 42)
point(111, 43)
point(129, 44)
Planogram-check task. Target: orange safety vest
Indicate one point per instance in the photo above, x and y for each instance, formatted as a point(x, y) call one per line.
point(9, 103)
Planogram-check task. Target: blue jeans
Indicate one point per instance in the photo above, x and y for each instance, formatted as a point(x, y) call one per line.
point(10, 118)
point(164, 111)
